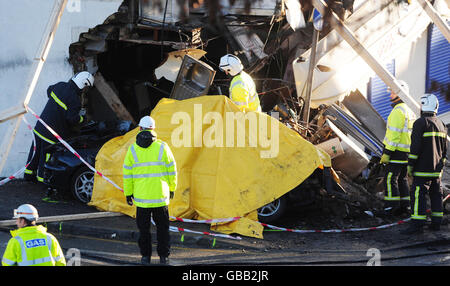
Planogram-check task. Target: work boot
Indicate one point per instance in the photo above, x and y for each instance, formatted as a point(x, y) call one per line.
point(145, 260)
point(164, 260)
point(413, 228)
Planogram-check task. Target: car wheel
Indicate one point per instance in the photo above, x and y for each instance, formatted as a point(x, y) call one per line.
point(82, 184)
point(272, 211)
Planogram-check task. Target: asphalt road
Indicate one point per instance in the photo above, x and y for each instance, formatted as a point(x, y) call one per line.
point(112, 241)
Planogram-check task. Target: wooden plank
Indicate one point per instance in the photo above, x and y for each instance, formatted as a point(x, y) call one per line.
point(66, 217)
point(437, 20)
point(111, 98)
point(358, 47)
point(12, 112)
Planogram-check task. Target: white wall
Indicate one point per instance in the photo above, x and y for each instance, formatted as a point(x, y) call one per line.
point(22, 23)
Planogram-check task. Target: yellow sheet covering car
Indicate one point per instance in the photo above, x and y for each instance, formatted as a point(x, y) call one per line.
point(229, 163)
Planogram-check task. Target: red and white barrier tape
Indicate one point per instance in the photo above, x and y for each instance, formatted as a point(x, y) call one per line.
point(119, 188)
point(72, 150)
point(178, 229)
point(20, 171)
point(208, 221)
point(335, 230)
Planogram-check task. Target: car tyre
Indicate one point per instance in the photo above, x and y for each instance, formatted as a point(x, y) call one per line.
point(82, 184)
point(272, 211)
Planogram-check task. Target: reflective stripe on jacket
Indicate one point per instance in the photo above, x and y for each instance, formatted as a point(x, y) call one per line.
point(398, 129)
point(33, 246)
point(243, 92)
point(149, 174)
point(428, 147)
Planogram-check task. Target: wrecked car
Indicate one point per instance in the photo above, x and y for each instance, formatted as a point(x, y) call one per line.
point(65, 173)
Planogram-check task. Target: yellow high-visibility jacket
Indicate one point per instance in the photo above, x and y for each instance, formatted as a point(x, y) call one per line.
point(243, 92)
point(33, 246)
point(398, 129)
point(149, 174)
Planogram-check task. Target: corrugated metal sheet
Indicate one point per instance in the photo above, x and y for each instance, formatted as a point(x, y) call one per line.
point(438, 66)
point(378, 94)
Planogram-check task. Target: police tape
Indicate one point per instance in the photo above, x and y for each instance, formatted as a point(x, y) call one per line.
point(119, 188)
point(22, 170)
point(72, 150)
point(209, 220)
point(179, 229)
point(336, 230)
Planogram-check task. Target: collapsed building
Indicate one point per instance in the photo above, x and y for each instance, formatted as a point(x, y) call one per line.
point(139, 57)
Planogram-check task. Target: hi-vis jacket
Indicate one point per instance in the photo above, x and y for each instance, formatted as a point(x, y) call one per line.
point(243, 92)
point(428, 147)
point(61, 112)
point(149, 174)
point(33, 246)
point(397, 140)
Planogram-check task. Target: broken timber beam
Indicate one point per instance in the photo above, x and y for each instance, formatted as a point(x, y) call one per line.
point(111, 98)
point(437, 20)
point(379, 69)
point(66, 217)
point(382, 72)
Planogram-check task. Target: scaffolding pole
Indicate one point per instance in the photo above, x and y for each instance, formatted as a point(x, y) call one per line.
point(16, 113)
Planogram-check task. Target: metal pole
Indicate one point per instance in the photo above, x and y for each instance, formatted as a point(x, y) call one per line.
point(309, 81)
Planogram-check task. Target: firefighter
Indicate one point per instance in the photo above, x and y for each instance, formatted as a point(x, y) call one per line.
point(395, 155)
point(31, 244)
point(425, 164)
point(242, 88)
point(62, 113)
point(149, 181)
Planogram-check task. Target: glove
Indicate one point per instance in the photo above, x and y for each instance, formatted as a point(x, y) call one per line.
point(409, 169)
point(82, 112)
point(385, 159)
point(171, 195)
point(130, 200)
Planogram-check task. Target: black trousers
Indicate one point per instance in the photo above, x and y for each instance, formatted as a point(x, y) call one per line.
point(420, 188)
point(396, 184)
point(143, 220)
point(35, 169)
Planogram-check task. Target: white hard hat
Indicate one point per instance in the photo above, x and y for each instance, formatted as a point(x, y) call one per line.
point(231, 64)
point(26, 211)
point(429, 103)
point(83, 79)
point(147, 122)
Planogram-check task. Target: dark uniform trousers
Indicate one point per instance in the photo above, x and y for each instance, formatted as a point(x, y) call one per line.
point(420, 188)
point(397, 189)
point(143, 220)
point(35, 168)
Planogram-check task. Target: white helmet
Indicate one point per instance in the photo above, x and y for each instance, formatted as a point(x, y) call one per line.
point(231, 64)
point(26, 211)
point(83, 79)
point(429, 102)
point(147, 122)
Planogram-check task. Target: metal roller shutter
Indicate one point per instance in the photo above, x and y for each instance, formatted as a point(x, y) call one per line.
point(438, 66)
point(378, 95)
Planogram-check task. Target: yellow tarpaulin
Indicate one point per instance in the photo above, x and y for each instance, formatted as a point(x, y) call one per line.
point(229, 163)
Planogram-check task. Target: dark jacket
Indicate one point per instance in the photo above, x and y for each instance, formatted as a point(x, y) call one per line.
point(428, 146)
point(62, 110)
